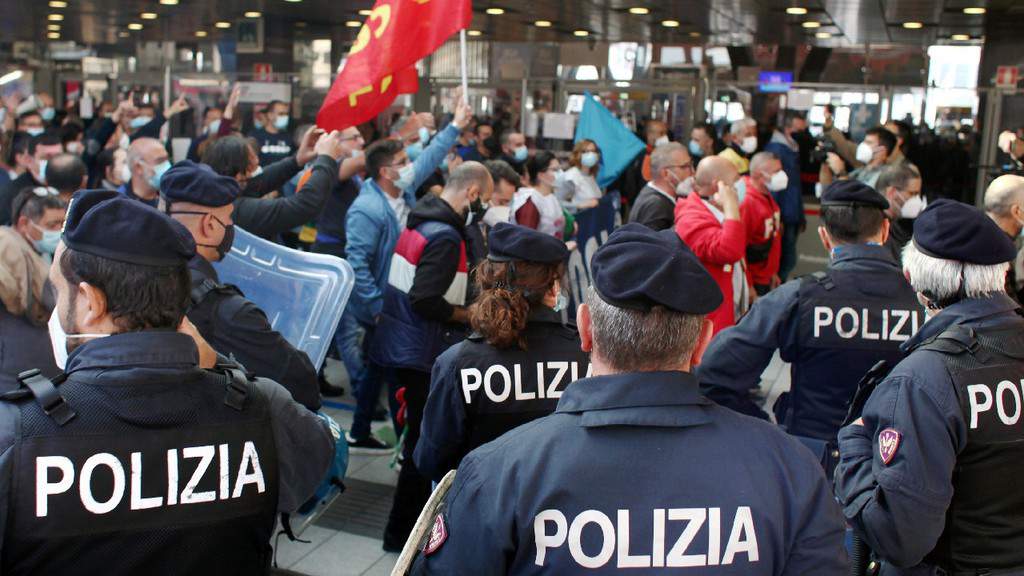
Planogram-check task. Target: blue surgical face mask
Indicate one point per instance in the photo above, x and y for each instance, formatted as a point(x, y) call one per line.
point(741, 189)
point(48, 243)
point(42, 170)
point(257, 124)
point(561, 301)
point(35, 131)
point(695, 149)
point(281, 122)
point(520, 153)
point(47, 113)
point(213, 127)
point(405, 176)
point(589, 159)
point(158, 173)
point(424, 135)
point(414, 150)
point(139, 122)
point(444, 164)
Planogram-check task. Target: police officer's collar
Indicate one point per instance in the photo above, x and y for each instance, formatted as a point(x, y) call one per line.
point(638, 399)
point(546, 315)
point(203, 267)
point(964, 311)
point(846, 252)
point(135, 350)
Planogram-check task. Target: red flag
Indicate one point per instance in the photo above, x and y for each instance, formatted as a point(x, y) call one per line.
point(381, 63)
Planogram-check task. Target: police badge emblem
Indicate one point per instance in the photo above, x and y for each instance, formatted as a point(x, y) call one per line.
point(438, 534)
point(888, 443)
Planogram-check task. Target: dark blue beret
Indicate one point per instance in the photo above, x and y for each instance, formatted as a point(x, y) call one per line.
point(511, 242)
point(187, 181)
point(638, 268)
point(111, 225)
point(953, 230)
point(852, 193)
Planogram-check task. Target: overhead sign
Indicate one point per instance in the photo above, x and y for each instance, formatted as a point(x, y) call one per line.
point(261, 92)
point(1006, 76)
point(776, 81)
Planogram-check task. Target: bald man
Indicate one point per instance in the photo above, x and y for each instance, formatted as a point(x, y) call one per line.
point(1004, 204)
point(147, 160)
point(708, 220)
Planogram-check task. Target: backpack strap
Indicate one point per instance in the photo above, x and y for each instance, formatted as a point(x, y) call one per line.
point(201, 291)
point(49, 399)
point(237, 382)
point(821, 277)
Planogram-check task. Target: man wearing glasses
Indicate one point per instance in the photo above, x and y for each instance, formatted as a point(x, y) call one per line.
point(672, 169)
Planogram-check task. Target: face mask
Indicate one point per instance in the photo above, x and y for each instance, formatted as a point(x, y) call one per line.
point(424, 135)
point(414, 151)
point(139, 122)
point(42, 170)
point(281, 122)
point(520, 153)
point(125, 142)
point(126, 173)
point(257, 124)
point(75, 148)
point(225, 243)
point(661, 140)
point(778, 182)
point(695, 149)
point(256, 172)
point(913, 207)
point(47, 113)
point(561, 301)
point(405, 176)
point(864, 153)
point(749, 144)
point(158, 173)
point(741, 189)
point(48, 243)
point(213, 127)
point(59, 340)
point(444, 164)
point(589, 159)
point(684, 188)
point(35, 131)
point(357, 153)
point(496, 214)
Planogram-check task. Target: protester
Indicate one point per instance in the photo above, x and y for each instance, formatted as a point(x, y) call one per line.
point(578, 189)
point(790, 199)
point(41, 148)
point(900, 183)
point(147, 161)
point(1004, 204)
point(762, 219)
point(514, 151)
point(481, 149)
point(66, 174)
point(742, 145)
point(871, 156)
point(673, 179)
point(112, 168)
point(703, 142)
point(272, 139)
point(656, 133)
point(538, 207)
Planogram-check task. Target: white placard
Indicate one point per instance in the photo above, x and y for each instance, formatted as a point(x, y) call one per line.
point(179, 148)
point(262, 92)
point(800, 99)
point(559, 126)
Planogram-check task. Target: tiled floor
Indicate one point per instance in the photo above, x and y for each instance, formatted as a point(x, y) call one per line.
point(343, 553)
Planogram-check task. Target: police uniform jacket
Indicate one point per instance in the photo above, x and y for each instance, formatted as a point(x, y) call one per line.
point(234, 326)
point(478, 392)
point(899, 495)
point(825, 370)
point(165, 469)
point(641, 471)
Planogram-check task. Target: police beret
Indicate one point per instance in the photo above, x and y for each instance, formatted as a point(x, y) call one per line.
point(852, 193)
point(187, 181)
point(111, 225)
point(639, 268)
point(511, 242)
point(952, 230)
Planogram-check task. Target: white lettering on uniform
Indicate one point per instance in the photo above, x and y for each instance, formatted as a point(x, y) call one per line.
point(847, 312)
point(977, 407)
point(138, 501)
point(511, 383)
point(615, 539)
point(188, 495)
point(822, 317)
point(471, 380)
point(172, 477)
point(506, 388)
point(981, 400)
point(250, 459)
point(45, 488)
point(85, 483)
point(562, 367)
point(1001, 409)
point(852, 323)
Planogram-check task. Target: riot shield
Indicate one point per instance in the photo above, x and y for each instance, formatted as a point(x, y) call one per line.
point(423, 526)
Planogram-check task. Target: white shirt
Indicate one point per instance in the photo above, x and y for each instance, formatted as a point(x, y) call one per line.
point(577, 188)
point(552, 220)
point(671, 197)
point(400, 208)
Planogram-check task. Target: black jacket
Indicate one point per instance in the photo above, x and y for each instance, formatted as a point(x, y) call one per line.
point(268, 217)
point(439, 262)
point(8, 192)
point(653, 209)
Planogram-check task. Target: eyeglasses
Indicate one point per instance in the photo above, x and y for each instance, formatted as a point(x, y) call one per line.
point(400, 164)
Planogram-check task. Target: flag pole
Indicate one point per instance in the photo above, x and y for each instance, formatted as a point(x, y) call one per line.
point(462, 48)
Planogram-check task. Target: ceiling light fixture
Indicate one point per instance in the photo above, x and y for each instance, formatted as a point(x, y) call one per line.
point(811, 24)
point(58, 4)
point(148, 16)
point(495, 11)
point(135, 26)
point(581, 33)
point(200, 33)
point(169, 2)
point(222, 24)
point(960, 37)
point(53, 27)
point(474, 33)
point(11, 77)
point(639, 10)
point(823, 35)
point(123, 34)
point(365, 12)
point(55, 17)
point(293, 0)
point(670, 23)
point(253, 14)
point(913, 25)
point(973, 10)
point(622, 84)
point(796, 11)
point(53, 35)
point(354, 24)
point(542, 24)
point(695, 34)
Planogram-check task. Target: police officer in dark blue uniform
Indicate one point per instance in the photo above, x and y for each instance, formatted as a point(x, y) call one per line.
point(832, 326)
point(927, 473)
point(636, 469)
point(516, 364)
point(203, 201)
point(135, 460)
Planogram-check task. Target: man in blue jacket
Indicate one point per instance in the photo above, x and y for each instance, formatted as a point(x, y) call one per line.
point(790, 200)
point(372, 225)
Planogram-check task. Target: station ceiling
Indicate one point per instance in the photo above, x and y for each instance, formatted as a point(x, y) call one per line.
point(722, 22)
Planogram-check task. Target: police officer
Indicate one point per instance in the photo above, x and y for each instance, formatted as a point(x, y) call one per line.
point(135, 460)
point(926, 472)
point(832, 326)
point(516, 364)
point(635, 469)
point(203, 201)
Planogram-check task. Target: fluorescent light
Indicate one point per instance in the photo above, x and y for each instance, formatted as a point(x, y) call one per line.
point(169, 2)
point(960, 37)
point(495, 11)
point(135, 26)
point(622, 84)
point(55, 17)
point(222, 24)
point(974, 10)
point(53, 27)
point(694, 34)
point(913, 25)
point(581, 33)
point(474, 33)
point(200, 33)
point(123, 34)
point(253, 14)
point(542, 24)
point(796, 10)
point(670, 23)
point(58, 4)
point(148, 16)
point(53, 35)
point(811, 24)
point(639, 10)
point(354, 24)
point(823, 35)
point(365, 12)
point(10, 77)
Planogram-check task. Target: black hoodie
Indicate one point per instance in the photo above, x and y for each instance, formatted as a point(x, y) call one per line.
point(439, 261)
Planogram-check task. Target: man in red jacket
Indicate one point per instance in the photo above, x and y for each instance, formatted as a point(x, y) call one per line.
point(708, 221)
point(761, 217)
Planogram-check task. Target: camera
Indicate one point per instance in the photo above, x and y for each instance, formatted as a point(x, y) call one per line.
point(822, 146)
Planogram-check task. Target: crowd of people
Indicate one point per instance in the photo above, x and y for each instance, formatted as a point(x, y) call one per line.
point(459, 238)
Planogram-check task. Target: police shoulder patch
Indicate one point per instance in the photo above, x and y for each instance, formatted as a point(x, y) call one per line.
point(438, 534)
point(888, 443)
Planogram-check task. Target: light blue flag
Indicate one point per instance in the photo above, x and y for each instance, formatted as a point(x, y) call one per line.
point(619, 147)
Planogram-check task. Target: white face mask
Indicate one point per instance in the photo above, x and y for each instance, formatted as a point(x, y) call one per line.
point(778, 182)
point(684, 188)
point(126, 173)
point(913, 206)
point(749, 144)
point(496, 214)
point(59, 339)
point(865, 153)
point(125, 142)
point(661, 140)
